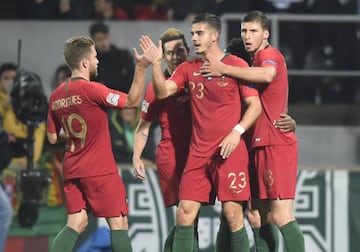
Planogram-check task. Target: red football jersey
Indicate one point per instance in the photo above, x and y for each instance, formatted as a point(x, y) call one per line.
point(78, 107)
point(274, 99)
point(173, 113)
point(215, 103)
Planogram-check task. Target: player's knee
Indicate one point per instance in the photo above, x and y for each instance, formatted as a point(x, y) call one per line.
point(280, 218)
point(254, 218)
point(185, 215)
point(120, 222)
point(78, 222)
point(234, 218)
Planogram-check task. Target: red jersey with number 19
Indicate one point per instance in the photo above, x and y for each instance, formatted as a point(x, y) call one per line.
point(78, 106)
point(215, 103)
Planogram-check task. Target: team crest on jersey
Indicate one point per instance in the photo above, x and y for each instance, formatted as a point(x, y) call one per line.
point(113, 99)
point(145, 106)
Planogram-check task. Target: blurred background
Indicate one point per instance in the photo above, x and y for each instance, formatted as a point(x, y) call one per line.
point(321, 43)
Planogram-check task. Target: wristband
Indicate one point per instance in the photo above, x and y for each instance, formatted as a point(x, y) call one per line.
point(239, 129)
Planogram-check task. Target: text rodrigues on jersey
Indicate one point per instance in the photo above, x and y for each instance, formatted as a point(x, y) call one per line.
point(66, 102)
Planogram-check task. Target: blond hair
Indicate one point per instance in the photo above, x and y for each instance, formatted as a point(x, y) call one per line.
point(76, 48)
point(173, 34)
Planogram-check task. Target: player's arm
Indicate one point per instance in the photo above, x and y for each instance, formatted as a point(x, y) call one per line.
point(264, 74)
point(252, 112)
point(140, 139)
point(162, 88)
point(55, 138)
point(52, 137)
point(285, 123)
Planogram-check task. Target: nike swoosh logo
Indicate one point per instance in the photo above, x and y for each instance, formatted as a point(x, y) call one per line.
point(196, 74)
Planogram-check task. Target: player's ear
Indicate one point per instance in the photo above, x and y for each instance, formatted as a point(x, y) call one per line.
point(85, 62)
point(266, 34)
point(214, 36)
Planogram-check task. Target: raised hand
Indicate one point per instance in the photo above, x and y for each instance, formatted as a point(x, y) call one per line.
point(153, 53)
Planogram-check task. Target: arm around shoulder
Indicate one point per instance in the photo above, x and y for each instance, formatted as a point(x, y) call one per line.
point(264, 74)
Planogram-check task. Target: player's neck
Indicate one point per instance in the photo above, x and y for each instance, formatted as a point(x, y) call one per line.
point(80, 74)
point(215, 55)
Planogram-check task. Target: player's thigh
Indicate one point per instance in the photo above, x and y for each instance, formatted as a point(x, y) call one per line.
point(75, 196)
point(195, 183)
point(277, 171)
point(169, 170)
point(106, 195)
point(231, 175)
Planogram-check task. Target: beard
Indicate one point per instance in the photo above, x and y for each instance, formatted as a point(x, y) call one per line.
point(93, 74)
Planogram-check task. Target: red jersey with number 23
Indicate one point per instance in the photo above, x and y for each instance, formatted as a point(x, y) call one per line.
point(79, 107)
point(215, 103)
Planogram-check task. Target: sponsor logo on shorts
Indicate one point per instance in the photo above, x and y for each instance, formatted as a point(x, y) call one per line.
point(237, 192)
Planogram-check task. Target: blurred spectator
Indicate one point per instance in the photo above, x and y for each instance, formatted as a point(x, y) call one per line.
point(38, 9)
point(145, 9)
point(187, 9)
point(108, 10)
point(116, 67)
point(341, 36)
point(15, 130)
point(230, 6)
point(290, 6)
point(7, 76)
point(122, 125)
point(75, 9)
point(6, 214)
point(14, 148)
point(62, 72)
point(332, 6)
point(150, 9)
point(54, 9)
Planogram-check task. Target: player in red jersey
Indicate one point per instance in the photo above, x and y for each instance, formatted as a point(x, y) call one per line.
point(218, 159)
point(284, 123)
point(275, 152)
point(77, 112)
point(174, 116)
